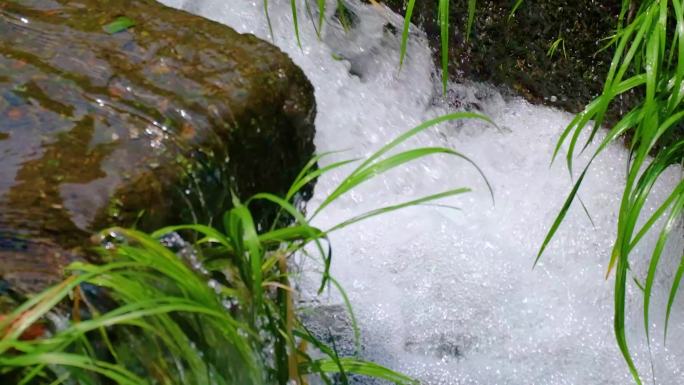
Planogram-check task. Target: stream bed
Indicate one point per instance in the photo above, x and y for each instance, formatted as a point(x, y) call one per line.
point(449, 296)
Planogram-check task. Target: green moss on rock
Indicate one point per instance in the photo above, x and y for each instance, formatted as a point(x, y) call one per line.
point(152, 125)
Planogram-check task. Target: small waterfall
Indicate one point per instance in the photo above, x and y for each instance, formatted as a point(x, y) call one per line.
point(449, 296)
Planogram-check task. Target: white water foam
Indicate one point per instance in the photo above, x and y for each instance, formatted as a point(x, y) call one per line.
point(449, 296)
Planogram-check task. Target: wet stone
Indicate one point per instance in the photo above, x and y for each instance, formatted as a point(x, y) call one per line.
point(150, 126)
point(332, 325)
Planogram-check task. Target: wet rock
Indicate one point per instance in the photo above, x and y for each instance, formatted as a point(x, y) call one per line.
point(145, 125)
point(332, 325)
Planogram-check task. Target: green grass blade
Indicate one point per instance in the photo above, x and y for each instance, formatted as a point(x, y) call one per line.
point(672, 220)
point(321, 16)
point(350, 312)
point(268, 21)
point(313, 234)
point(354, 178)
point(309, 366)
point(673, 293)
point(255, 252)
point(443, 18)
point(314, 175)
point(352, 365)
point(121, 24)
point(619, 316)
point(383, 166)
point(515, 7)
point(113, 372)
point(472, 6)
point(295, 23)
point(561, 215)
point(387, 209)
point(657, 214)
point(291, 234)
point(405, 31)
point(422, 127)
point(210, 234)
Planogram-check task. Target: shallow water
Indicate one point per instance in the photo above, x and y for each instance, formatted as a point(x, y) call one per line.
point(449, 296)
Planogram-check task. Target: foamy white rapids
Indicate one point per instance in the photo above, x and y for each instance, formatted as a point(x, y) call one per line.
point(449, 296)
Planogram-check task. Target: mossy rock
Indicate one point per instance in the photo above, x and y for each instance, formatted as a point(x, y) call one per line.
point(147, 122)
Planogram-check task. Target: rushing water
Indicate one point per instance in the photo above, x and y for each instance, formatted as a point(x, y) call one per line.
point(449, 296)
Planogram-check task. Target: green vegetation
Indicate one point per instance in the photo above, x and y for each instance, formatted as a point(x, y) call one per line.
point(649, 60)
point(443, 19)
point(649, 57)
point(121, 23)
point(222, 311)
point(321, 7)
point(234, 319)
point(553, 48)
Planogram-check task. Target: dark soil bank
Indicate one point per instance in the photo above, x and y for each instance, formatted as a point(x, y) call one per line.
point(513, 52)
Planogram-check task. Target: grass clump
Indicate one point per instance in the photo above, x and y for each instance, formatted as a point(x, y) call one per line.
point(649, 58)
point(442, 16)
point(193, 304)
point(443, 21)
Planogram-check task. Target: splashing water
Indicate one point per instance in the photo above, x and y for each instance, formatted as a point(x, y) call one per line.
point(449, 296)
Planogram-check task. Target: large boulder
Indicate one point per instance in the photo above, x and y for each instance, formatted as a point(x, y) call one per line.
point(142, 125)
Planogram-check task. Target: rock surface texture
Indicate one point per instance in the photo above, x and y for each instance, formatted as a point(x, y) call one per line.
point(149, 121)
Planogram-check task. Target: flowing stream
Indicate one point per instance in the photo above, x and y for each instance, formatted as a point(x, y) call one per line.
point(450, 296)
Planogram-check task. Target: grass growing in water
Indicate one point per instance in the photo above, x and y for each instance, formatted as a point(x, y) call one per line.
point(223, 315)
point(649, 56)
point(318, 25)
point(442, 16)
point(443, 19)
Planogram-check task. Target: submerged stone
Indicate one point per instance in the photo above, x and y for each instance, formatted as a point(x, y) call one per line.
point(130, 113)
